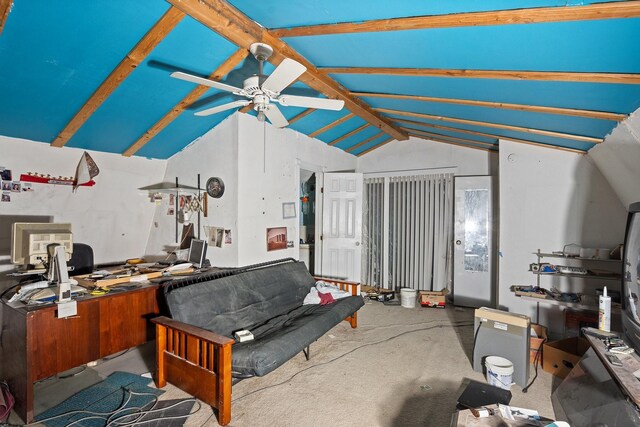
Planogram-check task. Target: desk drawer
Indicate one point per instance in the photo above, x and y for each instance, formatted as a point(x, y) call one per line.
point(61, 344)
point(125, 320)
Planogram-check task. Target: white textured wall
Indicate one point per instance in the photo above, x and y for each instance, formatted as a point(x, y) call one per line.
point(549, 198)
point(422, 154)
point(618, 157)
point(255, 190)
point(213, 154)
point(264, 186)
point(112, 216)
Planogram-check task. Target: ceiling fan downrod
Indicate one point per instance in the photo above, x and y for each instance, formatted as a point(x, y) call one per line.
point(262, 52)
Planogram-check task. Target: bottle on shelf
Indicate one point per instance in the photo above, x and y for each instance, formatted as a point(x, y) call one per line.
point(604, 311)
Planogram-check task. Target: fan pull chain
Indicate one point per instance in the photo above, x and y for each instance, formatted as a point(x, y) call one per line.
point(264, 147)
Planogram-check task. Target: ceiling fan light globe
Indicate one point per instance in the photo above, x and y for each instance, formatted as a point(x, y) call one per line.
point(261, 117)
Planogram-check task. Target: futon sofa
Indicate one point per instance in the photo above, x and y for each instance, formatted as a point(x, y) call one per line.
point(195, 347)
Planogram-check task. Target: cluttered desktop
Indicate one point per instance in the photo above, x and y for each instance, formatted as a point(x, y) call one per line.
point(42, 252)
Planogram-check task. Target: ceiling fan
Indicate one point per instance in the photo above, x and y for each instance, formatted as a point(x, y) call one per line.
point(264, 91)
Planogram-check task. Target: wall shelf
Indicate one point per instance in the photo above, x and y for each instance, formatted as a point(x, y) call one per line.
point(579, 276)
point(610, 274)
point(614, 307)
point(172, 187)
point(552, 255)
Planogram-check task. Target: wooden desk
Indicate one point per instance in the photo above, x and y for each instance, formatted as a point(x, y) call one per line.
point(623, 375)
point(35, 344)
point(598, 393)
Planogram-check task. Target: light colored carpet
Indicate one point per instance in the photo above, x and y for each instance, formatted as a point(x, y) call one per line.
point(400, 367)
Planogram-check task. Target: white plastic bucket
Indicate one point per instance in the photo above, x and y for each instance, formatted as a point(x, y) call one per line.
point(499, 372)
point(407, 297)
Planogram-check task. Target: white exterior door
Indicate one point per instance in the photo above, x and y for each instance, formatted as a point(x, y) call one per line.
point(342, 226)
point(473, 242)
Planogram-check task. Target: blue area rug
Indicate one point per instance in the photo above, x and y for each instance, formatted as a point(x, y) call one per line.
point(105, 397)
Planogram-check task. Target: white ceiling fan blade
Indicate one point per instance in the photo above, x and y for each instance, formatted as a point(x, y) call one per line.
point(202, 81)
point(275, 116)
point(222, 107)
point(310, 102)
point(285, 74)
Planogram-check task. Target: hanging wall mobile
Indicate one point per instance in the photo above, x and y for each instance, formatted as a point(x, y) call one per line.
point(86, 170)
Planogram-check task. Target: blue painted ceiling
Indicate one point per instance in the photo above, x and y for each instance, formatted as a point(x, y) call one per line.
point(54, 56)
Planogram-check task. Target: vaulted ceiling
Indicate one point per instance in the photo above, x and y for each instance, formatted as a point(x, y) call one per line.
point(95, 74)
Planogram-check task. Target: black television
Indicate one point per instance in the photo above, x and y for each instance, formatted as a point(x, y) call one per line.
point(631, 279)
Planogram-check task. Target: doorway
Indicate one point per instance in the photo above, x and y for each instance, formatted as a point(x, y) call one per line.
point(342, 226)
point(473, 278)
point(307, 223)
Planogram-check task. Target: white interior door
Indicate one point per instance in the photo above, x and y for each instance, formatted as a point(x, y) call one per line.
point(342, 226)
point(473, 242)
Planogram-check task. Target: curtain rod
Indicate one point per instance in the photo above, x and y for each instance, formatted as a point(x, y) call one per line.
point(409, 170)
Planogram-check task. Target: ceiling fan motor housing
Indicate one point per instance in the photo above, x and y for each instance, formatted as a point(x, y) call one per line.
point(252, 85)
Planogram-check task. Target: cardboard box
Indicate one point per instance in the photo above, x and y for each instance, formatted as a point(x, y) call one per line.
point(535, 344)
point(433, 299)
point(561, 356)
point(377, 294)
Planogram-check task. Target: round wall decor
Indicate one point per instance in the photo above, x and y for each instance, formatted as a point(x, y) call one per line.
point(215, 187)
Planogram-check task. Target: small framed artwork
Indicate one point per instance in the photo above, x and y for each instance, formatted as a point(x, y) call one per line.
point(288, 210)
point(276, 238)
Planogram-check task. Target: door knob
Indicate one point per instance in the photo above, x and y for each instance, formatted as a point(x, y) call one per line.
point(458, 242)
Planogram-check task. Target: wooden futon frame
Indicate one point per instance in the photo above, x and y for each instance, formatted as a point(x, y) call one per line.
point(199, 361)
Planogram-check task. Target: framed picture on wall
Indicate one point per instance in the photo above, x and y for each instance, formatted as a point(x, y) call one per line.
point(276, 238)
point(288, 210)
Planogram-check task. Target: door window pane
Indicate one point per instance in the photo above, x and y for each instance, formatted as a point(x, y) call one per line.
point(476, 230)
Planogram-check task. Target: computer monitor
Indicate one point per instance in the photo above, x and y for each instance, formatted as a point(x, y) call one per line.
point(197, 252)
point(630, 313)
point(29, 242)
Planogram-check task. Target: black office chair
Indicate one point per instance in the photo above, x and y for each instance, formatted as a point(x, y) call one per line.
point(81, 259)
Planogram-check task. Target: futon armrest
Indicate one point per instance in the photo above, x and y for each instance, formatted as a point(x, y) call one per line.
point(345, 285)
point(197, 361)
point(195, 331)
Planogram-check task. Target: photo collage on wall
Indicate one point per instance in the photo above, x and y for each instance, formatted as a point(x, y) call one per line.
point(183, 203)
point(9, 186)
point(218, 236)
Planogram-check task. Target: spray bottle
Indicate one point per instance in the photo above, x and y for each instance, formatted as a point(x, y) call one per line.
point(604, 312)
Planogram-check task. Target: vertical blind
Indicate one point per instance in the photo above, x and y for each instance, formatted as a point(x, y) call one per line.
point(420, 229)
point(372, 231)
